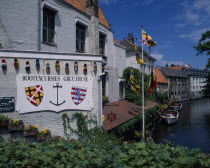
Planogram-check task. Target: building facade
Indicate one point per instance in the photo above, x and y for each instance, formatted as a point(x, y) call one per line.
point(197, 81)
point(178, 83)
point(129, 44)
point(58, 45)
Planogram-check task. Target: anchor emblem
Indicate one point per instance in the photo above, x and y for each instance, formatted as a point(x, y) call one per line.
point(58, 104)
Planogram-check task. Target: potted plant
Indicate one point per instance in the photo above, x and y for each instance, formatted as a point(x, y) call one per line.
point(30, 130)
point(105, 100)
point(4, 120)
point(43, 135)
point(15, 125)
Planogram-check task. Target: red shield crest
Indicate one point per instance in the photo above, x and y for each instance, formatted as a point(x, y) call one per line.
point(78, 94)
point(34, 94)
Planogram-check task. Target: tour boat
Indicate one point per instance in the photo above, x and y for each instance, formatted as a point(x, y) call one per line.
point(170, 116)
point(176, 106)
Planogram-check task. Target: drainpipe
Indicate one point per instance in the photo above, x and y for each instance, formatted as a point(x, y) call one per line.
point(39, 25)
point(99, 101)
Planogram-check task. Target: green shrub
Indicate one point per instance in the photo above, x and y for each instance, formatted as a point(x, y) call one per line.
point(130, 95)
point(61, 153)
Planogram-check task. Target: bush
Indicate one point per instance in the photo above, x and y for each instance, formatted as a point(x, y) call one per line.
point(61, 153)
point(130, 94)
point(96, 148)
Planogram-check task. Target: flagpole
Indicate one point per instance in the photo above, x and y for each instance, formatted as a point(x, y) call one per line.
point(142, 56)
point(149, 52)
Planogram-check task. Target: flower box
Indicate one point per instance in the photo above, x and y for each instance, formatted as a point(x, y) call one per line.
point(30, 133)
point(43, 138)
point(4, 123)
point(15, 128)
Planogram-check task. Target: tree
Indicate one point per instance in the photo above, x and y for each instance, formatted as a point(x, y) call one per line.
point(166, 64)
point(172, 65)
point(204, 47)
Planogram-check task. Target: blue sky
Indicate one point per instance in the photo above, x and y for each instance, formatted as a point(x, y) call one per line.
point(176, 26)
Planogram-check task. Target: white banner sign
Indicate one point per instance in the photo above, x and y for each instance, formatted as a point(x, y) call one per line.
point(53, 92)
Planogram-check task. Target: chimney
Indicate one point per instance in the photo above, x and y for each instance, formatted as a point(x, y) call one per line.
point(130, 37)
point(92, 10)
point(92, 7)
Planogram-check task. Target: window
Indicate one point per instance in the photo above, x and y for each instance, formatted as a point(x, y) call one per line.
point(103, 85)
point(121, 89)
point(102, 44)
point(80, 38)
point(48, 26)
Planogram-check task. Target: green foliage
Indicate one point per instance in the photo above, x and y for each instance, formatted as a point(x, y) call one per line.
point(102, 150)
point(203, 44)
point(4, 118)
point(206, 88)
point(60, 153)
point(87, 130)
point(130, 94)
point(158, 97)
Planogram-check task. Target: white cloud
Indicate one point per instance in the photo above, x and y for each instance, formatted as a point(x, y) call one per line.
point(158, 57)
point(196, 12)
point(162, 62)
point(194, 35)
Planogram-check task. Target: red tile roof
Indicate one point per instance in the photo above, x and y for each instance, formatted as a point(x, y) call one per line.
point(124, 111)
point(102, 18)
point(177, 67)
point(116, 41)
point(81, 5)
point(160, 77)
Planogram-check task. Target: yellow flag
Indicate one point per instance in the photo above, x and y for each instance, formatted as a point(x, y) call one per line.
point(138, 59)
point(134, 84)
point(147, 39)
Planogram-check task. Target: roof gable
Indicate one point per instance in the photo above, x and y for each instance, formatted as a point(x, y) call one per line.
point(178, 67)
point(173, 72)
point(130, 47)
point(160, 77)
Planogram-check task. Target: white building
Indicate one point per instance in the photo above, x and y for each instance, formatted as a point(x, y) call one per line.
point(131, 56)
point(197, 81)
point(70, 32)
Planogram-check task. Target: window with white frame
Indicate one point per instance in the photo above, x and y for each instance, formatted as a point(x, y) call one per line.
point(48, 26)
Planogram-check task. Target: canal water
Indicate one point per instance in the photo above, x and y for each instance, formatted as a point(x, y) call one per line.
point(193, 128)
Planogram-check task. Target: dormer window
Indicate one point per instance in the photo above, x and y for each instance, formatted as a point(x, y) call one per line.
point(80, 38)
point(48, 26)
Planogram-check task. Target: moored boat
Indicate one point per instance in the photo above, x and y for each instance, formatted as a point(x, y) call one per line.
point(176, 106)
point(170, 116)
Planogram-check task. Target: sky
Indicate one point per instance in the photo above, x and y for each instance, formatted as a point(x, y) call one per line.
point(175, 25)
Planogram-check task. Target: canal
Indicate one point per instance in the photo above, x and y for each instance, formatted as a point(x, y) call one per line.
point(193, 128)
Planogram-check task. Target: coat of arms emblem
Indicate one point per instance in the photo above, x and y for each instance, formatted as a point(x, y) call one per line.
point(34, 94)
point(78, 94)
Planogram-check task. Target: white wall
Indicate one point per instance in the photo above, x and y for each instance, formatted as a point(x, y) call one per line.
point(120, 58)
point(131, 62)
point(46, 119)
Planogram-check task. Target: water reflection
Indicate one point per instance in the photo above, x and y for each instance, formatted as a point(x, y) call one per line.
point(193, 128)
